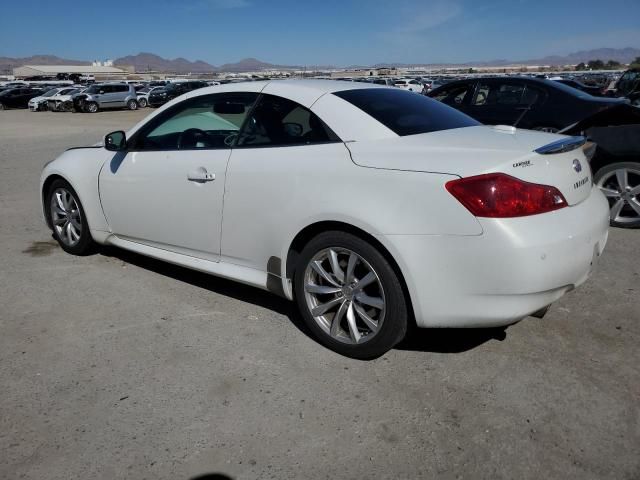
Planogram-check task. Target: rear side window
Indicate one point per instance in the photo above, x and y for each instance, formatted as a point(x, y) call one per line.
point(277, 121)
point(405, 112)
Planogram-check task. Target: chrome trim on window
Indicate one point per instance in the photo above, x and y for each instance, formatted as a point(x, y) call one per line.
point(562, 145)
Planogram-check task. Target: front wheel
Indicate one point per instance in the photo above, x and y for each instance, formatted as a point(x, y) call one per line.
point(350, 296)
point(91, 107)
point(2, 107)
point(132, 105)
point(620, 183)
point(67, 219)
point(142, 103)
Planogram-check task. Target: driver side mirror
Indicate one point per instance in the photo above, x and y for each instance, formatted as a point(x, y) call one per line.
point(115, 141)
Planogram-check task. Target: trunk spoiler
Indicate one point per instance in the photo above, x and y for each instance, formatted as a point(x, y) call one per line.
point(560, 146)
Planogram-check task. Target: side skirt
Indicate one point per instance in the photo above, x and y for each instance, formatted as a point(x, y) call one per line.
point(248, 276)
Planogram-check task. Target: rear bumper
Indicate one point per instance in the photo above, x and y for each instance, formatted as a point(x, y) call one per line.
point(514, 268)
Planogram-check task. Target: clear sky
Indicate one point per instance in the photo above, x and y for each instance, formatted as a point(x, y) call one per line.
point(333, 32)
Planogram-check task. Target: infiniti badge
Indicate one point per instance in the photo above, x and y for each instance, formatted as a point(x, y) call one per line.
point(577, 166)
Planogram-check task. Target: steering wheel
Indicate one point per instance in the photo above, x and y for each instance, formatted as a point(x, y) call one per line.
point(190, 134)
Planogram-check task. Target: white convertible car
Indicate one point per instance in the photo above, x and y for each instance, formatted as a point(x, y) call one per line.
point(371, 207)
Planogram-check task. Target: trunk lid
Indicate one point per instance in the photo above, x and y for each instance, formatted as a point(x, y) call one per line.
point(478, 150)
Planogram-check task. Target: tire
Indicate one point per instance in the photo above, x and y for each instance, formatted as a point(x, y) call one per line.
point(2, 107)
point(91, 107)
point(142, 103)
point(547, 129)
point(624, 200)
point(67, 219)
point(132, 105)
point(381, 300)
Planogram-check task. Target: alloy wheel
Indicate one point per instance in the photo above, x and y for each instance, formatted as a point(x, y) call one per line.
point(622, 189)
point(66, 217)
point(344, 295)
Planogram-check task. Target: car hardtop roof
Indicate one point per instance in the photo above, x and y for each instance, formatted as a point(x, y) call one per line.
point(319, 86)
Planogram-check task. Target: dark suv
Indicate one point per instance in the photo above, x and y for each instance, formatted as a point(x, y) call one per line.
point(524, 102)
point(172, 90)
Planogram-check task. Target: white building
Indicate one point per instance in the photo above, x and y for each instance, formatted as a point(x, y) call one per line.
point(53, 70)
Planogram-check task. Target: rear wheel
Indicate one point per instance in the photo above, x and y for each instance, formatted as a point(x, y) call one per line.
point(67, 219)
point(620, 183)
point(91, 107)
point(350, 296)
point(132, 105)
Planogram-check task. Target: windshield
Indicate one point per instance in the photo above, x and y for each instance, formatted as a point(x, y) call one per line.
point(406, 113)
point(50, 93)
point(93, 89)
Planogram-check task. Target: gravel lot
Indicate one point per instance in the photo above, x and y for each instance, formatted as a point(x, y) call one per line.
point(116, 366)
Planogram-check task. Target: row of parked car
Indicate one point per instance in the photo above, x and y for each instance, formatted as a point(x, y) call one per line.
point(95, 97)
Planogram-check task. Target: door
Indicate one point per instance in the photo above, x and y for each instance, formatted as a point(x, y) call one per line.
point(167, 190)
point(500, 102)
point(119, 95)
point(282, 147)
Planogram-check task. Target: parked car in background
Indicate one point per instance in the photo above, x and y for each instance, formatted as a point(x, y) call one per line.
point(173, 90)
point(18, 97)
point(409, 84)
point(143, 95)
point(615, 159)
point(531, 103)
point(384, 81)
point(629, 86)
point(450, 223)
point(590, 89)
point(42, 102)
point(102, 96)
point(63, 100)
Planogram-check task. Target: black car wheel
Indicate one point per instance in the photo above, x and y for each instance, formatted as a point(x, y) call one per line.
point(2, 106)
point(142, 103)
point(620, 183)
point(350, 296)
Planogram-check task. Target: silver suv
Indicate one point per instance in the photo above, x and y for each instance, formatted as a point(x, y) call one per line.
point(108, 95)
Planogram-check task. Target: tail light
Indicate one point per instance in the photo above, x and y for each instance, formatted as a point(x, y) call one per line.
point(497, 195)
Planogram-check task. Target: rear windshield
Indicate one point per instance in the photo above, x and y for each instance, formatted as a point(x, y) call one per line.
point(406, 113)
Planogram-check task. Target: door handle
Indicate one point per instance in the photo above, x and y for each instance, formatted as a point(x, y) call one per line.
point(201, 175)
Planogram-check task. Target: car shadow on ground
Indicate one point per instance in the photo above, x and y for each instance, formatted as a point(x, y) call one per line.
point(443, 340)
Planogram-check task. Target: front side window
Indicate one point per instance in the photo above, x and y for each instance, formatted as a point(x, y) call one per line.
point(205, 122)
point(404, 112)
point(277, 121)
point(454, 95)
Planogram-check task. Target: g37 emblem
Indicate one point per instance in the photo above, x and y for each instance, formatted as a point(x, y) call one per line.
point(577, 166)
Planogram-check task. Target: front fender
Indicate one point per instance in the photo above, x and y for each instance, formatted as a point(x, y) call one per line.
point(81, 168)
